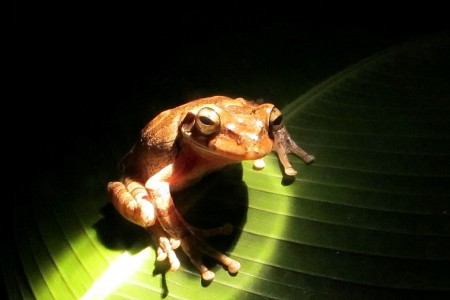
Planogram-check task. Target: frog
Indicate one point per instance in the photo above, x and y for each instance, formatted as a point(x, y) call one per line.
point(180, 146)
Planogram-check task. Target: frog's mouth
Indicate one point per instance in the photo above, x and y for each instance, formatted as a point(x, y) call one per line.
point(243, 151)
point(230, 149)
point(225, 144)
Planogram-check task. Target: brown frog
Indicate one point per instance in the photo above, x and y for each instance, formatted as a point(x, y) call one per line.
point(176, 149)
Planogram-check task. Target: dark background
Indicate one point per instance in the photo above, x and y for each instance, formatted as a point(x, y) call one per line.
point(87, 76)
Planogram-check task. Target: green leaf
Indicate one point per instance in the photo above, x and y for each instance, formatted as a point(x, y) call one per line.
point(369, 219)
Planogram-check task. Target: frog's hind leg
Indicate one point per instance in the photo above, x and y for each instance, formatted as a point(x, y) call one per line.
point(175, 227)
point(194, 247)
point(225, 229)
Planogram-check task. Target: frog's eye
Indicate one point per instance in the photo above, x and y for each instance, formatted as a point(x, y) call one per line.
point(207, 121)
point(276, 118)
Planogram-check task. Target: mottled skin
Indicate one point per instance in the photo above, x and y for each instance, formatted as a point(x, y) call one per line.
point(180, 146)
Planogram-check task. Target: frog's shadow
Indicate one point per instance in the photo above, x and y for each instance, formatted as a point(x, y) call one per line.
point(219, 198)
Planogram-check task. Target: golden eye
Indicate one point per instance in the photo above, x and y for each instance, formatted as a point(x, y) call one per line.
point(207, 121)
point(276, 118)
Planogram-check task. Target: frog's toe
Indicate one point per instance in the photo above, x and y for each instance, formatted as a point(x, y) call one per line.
point(208, 275)
point(160, 254)
point(234, 267)
point(166, 251)
point(175, 243)
point(308, 158)
point(165, 247)
point(230, 264)
point(174, 263)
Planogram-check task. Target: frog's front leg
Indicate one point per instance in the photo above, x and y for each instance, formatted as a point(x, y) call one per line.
point(284, 144)
point(175, 226)
point(131, 199)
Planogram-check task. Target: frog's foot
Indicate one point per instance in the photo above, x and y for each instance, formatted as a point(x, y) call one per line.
point(195, 247)
point(166, 246)
point(284, 144)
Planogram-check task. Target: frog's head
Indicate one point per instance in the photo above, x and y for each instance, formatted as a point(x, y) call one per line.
point(237, 129)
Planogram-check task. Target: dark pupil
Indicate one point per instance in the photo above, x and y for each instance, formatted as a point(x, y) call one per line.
point(277, 121)
point(206, 120)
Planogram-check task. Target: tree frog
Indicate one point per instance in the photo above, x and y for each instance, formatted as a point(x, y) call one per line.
point(176, 149)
